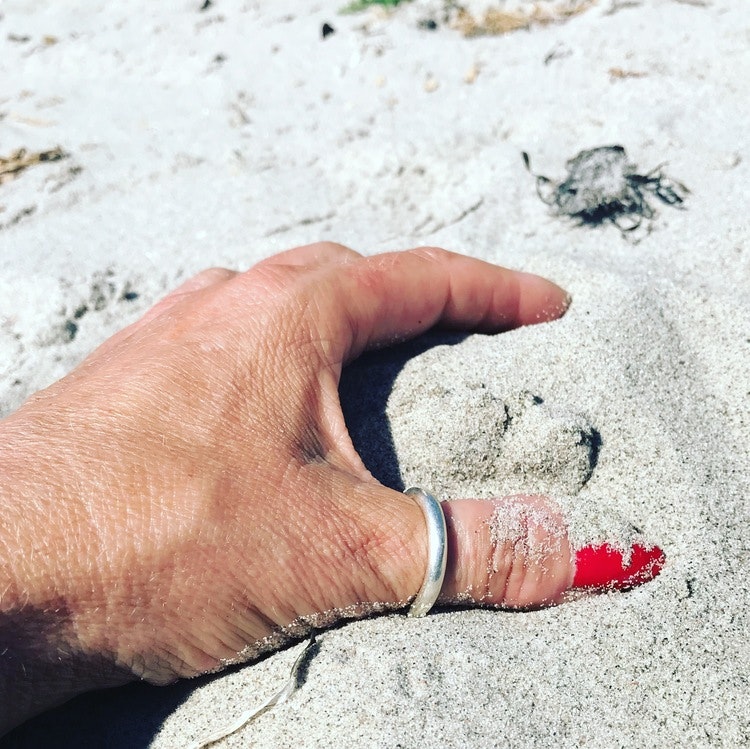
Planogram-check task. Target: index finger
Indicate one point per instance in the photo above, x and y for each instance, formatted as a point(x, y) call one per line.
point(387, 298)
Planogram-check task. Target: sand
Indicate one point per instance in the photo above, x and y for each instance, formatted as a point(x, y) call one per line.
point(219, 136)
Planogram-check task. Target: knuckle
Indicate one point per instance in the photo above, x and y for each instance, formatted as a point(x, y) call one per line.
point(215, 275)
point(433, 254)
point(270, 279)
point(336, 248)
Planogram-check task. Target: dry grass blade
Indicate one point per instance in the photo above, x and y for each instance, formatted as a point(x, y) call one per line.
point(497, 22)
point(11, 166)
point(621, 73)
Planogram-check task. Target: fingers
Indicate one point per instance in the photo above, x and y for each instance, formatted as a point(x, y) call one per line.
point(514, 551)
point(391, 297)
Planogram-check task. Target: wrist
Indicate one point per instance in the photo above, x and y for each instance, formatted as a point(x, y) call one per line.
point(44, 657)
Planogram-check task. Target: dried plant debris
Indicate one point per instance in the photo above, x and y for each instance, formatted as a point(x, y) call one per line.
point(615, 73)
point(497, 21)
point(21, 159)
point(603, 186)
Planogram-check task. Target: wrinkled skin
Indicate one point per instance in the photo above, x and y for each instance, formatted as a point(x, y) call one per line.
point(191, 489)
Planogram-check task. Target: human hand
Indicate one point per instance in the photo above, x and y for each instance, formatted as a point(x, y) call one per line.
point(189, 496)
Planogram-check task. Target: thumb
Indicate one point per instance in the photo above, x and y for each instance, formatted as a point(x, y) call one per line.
point(511, 551)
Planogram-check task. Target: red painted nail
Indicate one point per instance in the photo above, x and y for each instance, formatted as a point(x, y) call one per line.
point(603, 567)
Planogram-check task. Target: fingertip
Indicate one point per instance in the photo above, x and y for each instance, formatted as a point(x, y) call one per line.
point(541, 300)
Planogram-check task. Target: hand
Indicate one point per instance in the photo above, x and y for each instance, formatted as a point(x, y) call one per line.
point(190, 494)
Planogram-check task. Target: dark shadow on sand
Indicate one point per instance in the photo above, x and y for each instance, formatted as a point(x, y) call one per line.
point(365, 388)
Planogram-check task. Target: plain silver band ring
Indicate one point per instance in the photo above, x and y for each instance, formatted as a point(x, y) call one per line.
point(437, 552)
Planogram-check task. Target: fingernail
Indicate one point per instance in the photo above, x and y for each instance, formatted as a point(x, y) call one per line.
point(557, 307)
point(604, 568)
point(565, 300)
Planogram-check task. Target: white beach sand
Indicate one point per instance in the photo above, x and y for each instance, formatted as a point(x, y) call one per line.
point(217, 137)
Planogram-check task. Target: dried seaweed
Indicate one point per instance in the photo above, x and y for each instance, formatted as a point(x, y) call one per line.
point(603, 186)
point(21, 159)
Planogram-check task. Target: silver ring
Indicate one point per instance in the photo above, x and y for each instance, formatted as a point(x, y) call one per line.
point(437, 552)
